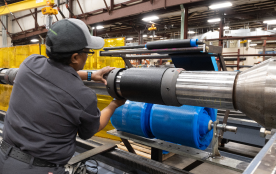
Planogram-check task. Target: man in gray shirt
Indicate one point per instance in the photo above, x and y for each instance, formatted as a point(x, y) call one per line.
point(50, 104)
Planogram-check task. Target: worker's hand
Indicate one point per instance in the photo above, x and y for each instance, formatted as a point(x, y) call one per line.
point(117, 103)
point(98, 75)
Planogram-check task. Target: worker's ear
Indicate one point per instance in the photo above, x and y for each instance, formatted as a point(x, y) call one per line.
point(75, 58)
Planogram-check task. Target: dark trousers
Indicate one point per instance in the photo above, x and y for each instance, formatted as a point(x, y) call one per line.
point(13, 166)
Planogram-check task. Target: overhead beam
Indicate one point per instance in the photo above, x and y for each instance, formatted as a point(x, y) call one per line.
point(143, 7)
point(38, 11)
point(134, 10)
point(21, 5)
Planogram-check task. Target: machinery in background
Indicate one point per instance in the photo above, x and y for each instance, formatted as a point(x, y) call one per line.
point(177, 87)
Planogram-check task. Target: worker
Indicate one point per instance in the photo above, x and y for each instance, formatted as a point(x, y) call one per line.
point(50, 104)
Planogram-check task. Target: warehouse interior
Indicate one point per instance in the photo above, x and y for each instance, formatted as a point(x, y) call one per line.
point(198, 77)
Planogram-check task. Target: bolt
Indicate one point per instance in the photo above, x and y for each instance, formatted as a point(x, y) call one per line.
point(172, 70)
point(111, 71)
point(168, 89)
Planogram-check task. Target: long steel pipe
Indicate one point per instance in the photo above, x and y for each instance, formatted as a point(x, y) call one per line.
point(144, 51)
point(252, 92)
point(208, 89)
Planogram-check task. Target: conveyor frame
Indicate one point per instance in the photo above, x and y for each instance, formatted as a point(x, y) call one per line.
point(200, 155)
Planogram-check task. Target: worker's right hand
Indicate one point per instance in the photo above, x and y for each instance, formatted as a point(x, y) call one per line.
point(118, 103)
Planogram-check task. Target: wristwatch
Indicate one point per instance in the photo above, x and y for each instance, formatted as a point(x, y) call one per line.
point(89, 74)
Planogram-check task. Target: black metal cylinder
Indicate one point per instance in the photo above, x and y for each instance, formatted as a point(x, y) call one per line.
point(123, 47)
point(142, 84)
point(169, 44)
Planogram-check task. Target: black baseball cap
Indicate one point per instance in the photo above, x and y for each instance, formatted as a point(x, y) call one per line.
point(69, 35)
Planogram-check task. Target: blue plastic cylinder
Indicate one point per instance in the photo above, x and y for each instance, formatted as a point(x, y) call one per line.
point(186, 125)
point(133, 117)
point(193, 42)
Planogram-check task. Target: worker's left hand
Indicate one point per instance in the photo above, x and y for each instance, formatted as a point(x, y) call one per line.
point(98, 75)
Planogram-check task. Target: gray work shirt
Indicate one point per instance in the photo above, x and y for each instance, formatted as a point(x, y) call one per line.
point(49, 105)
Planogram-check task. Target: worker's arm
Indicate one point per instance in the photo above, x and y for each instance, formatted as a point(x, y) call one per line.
point(107, 112)
point(96, 76)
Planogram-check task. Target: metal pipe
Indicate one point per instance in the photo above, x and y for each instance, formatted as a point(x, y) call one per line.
point(234, 55)
point(208, 89)
point(124, 47)
point(225, 128)
point(144, 51)
point(162, 45)
point(163, 56)
point(251, 92)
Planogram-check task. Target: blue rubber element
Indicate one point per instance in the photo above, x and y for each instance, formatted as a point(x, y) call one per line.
point(193, 42)
point(146, 46)
point(186, 125)
point(133, 117)
point(214, 63)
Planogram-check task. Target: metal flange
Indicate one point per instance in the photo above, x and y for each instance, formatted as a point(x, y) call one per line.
point(111, 83)
point(168, 86)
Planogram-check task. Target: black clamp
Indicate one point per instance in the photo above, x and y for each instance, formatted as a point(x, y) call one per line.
point(10, 75)
point(111, 83)
point(168, 86)
point(1, 82)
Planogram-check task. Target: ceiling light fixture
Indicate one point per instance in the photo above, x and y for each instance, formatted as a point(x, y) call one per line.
point(214, 20)
point(253, 45)
point(34, 40)
point(150, 18)
point(270, 22)
point(129, 38)
point(154, 36)
point(222, 5)
point(191, 32)
point(225, 28)
point(145, 35)
point(98, 27)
